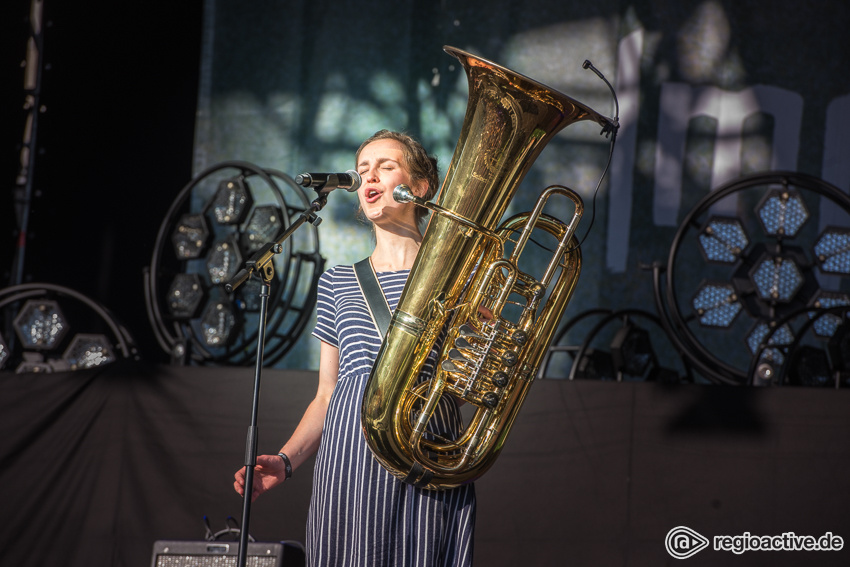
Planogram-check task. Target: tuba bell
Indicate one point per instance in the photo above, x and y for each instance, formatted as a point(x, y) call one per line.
point(462, 282)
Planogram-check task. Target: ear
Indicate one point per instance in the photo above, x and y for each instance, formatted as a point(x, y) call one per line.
point(420, 189)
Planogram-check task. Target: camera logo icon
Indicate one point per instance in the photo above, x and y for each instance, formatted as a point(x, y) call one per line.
point(683, 542)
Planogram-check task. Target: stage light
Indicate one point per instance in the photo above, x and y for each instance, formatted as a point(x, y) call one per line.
point(782, 212)
point(631, 350)
point(224, 261)
point(88, 351)
point(34, 366)
point(832, 251)
point(723, 240)
point(43, 326)
point(4, 352)
point(185, 296)
point(627, 354)
point(771, 279)
point(826, 324)
point(595, 365)
point(265, 224)
point(40, 324)
point(810, 366)
point(190, 237)
point(232, 201)
point(716, 304)
point(238, 208)
point(776, 278)
point(783, 336)
point(218, 324)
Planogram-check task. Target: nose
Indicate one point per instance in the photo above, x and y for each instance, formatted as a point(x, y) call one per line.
point(371, 174)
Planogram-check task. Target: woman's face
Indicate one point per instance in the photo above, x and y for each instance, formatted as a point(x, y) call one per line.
point(381, 167)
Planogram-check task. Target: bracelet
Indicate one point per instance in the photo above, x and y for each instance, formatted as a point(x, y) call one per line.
point(286, 464)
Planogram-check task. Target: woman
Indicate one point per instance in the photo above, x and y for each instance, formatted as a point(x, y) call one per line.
point(360, 514)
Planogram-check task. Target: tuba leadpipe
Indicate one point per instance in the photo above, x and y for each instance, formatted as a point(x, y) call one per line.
point(461, 283)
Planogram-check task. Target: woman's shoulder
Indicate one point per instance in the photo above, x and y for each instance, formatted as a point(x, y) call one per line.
point(338, 270)
point(340, 274)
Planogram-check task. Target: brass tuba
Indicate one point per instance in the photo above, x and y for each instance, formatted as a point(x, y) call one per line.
point(488, 360)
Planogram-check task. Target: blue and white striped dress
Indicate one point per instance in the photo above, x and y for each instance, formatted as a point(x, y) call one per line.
point(360, 514)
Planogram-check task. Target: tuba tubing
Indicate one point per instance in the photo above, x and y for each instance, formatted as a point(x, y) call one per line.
point(487, 362)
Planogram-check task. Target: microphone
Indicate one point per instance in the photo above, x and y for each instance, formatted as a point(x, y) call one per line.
point(326, 182)
point(613, 124)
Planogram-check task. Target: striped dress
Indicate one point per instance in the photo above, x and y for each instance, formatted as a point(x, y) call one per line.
point(360, 514)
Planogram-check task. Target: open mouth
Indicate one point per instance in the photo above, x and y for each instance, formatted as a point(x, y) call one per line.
point(372, 195)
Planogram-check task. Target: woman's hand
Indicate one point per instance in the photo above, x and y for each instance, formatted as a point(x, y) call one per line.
point(270, 469)
point(268, 473)
point(485, 313)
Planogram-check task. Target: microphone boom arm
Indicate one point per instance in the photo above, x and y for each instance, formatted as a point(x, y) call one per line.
point(261, 260)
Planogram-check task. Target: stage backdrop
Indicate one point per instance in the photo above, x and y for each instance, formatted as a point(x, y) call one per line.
point(708, 90)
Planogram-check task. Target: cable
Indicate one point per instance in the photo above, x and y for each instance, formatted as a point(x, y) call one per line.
point(611, 128)
point(596, 192)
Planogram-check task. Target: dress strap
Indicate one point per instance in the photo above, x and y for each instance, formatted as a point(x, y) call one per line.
point(376, 301)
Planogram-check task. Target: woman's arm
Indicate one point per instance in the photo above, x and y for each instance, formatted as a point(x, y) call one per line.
point(304, 442)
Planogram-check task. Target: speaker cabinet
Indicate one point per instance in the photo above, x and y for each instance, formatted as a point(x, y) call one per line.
point(222, 554)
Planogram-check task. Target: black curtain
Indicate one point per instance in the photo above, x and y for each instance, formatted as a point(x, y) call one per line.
point(96, 466)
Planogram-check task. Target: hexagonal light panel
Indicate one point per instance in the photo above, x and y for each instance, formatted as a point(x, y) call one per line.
point(185, 296)
point(218, 324)
point(826, 324)
point(190, 236)
point(232, 201)
point(832, 251)
point(782, 212)
point(88, 351)
point(40, 324)
point(723, 239)
point(782, 337)
point(716, 304)
point(224, 261)
point(265, 224)
point(776, 278)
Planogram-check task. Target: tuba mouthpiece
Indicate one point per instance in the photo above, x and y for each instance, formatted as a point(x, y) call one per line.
point(403, 194)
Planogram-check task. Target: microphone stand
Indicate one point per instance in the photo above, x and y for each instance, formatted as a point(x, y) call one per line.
point(262, 263)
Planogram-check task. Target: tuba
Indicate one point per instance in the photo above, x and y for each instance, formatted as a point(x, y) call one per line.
point(464, 292)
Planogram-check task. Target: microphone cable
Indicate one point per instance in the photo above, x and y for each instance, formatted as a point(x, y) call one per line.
point(609, 129)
